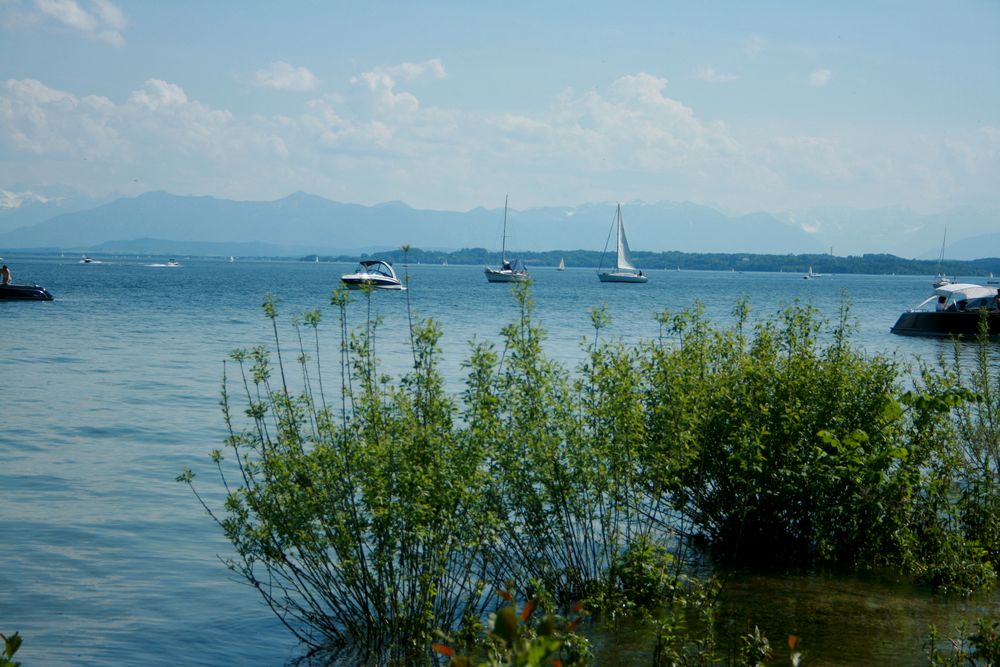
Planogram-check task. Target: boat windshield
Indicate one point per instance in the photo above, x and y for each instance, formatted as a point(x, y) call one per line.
point(380, 268)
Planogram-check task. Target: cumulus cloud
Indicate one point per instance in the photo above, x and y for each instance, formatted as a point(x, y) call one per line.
point(156, 125)
point(100, 19)
point(381, 82)
point(629, 136)
point(819, 78)
point(708, 74)
point(282, 76)
point(157, 93)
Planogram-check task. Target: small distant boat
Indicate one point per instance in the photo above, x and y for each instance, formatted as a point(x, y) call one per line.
point(231, 259)
point(376, 273)
point(991, 281)
point(624, 270)
point(810, 275)
point(957, 309)
point(90, 260)
point(511, 270)
point(941, 280)
point(24, 293)
point(562, 265)
point(173, 262)
point(317, 259)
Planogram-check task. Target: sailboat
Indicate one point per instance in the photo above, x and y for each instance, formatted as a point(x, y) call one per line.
point(562, 264)
point(811, 275)
point(942, 279)
point(624, 271)
point(510, 271)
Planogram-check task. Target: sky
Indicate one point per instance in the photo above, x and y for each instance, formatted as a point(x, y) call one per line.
point(745, 106)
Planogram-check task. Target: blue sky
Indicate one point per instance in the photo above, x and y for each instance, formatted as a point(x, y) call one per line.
point(746, 106)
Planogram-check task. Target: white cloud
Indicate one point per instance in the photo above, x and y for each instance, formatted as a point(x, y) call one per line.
point(157, 93)
point(628, 138)
point(282, 76)
point(708, 74)
point(820, 77)
point(104, 21)
point(433, 68)
point(755, 45)
point(381, 82)
point(110, 14)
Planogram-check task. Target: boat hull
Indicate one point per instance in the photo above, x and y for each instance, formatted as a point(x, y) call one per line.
point(622, 278)
point(502, 276)
point(945, 324)
point(358, 281)
point(24, 293)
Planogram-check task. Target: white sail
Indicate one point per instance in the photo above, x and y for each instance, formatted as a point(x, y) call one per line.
point(624, 255)
point(562, 265)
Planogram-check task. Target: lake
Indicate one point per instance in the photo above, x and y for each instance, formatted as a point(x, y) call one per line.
point(113, 388)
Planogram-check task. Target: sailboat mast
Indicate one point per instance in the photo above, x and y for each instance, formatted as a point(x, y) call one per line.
point(503, 241)
point(618, 256)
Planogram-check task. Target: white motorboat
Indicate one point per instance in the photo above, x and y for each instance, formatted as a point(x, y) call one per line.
point(624, 270)
point(375, 273)
point(173, 262)
point(511, 270)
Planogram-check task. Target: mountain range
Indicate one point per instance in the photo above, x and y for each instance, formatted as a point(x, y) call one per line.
point(159, 222)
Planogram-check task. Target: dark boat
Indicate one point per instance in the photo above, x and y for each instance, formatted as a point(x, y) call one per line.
point(953, 310)
point(24, 293)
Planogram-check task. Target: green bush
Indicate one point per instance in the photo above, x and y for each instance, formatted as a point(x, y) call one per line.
point(775, 445)
point(387, 515)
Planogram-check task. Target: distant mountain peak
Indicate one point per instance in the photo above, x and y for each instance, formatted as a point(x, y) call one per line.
point(395, 203)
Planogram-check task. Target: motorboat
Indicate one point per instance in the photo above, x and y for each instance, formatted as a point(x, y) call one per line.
point(954, 309)
point(87, 259)
point(173, 262)
point(24, 293)
point(375, 273)
point(624, 270)
point(511, 270)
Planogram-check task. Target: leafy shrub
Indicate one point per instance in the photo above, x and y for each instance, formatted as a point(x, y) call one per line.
point(775, 445)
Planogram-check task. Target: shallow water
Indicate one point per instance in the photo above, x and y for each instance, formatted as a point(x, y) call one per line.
point(112, 389)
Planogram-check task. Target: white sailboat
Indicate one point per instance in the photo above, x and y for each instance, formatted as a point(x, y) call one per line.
point(811, 275)
point(510, 271)
point(941, 278)
point(562, 264)
point(624, 270)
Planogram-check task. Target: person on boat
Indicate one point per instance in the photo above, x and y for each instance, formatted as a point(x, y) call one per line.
point(941, 303)
point(5, 274)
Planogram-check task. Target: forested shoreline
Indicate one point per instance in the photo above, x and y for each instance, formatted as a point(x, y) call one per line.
point(875, 264)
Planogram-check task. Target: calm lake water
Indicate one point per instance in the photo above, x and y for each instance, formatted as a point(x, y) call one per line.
point(112, 389)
